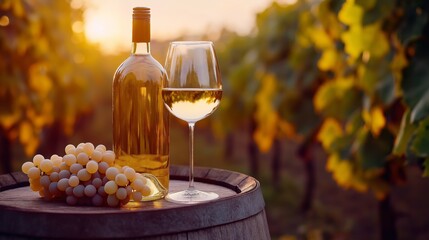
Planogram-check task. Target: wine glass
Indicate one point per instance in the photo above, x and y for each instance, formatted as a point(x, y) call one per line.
point(192, 92)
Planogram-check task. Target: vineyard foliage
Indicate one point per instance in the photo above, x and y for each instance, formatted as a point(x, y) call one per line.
point(45, 69)
point(352, 74)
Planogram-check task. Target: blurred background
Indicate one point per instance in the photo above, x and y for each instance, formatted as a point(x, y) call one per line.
point(326, 102)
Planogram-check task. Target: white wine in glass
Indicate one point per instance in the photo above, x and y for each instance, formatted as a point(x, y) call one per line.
point(192, 92)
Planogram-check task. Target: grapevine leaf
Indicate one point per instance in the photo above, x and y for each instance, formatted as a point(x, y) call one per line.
point(368, 38)
point(375, 149)
point(354, 123)
point(405, 133)
point(414, 83)
point(412, 25)
point(266, 115)
point(421, 110)
point(337, 98)
point(366, 4)
point(375, 41)
point(350, 13)
point(376, 78)
point(328, 60)
point(374, 120)
point(386, 89)
point(379, 11)
point(420, 143)
point(329, 132)
point(342, 170)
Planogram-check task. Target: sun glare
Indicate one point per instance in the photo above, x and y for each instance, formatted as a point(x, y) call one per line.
point(108, 22)
point(103, 29)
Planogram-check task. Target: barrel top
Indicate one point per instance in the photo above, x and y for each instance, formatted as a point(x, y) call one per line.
point(23, 212)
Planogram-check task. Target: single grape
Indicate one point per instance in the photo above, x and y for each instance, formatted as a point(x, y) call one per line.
point(73, 181)
point(112, 201)
point(26, 166)
point(71, 200)
point(78, 191)
point(125, 200)
point(111, 173)
point(101, 191)
point(35, 187)
point(141, 177)
point(97, 182)
point(82, 158)
point(110, 187)
point(46, 166)
point(78, 150)
point(54, 177)
point(64, 166)
point(69, 149)
point(137, 184)
point(121, 180)
point(34, 173)
point(69, 191)
point(64, 174)
point(136, 196)
point(75, 168)
point(97, 156)
point(88, 148)
point(101, 148)
point(90, 191)
point(53, 188)
point(129, 189)
point(56, 160)
point(121, 193)
point(55, 169)
point(102, 167)
point(37, 159)
point(69, 159)
point(145, 191)
point(35, 182)
point(109, 157)
point(92, 166)
point(63, 184)
point(97, 200)
point(130, 173)
point(45, 181)
point(83, 175)
point(80, 145)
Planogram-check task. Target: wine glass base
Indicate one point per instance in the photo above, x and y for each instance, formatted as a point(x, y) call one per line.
point(191, 196)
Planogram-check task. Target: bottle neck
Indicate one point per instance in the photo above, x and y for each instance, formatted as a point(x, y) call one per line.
point(140, 48)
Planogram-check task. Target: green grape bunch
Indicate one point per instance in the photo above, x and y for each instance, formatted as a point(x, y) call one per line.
point(85, 175)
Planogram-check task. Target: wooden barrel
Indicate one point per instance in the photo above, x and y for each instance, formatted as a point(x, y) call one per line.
point(238, 213)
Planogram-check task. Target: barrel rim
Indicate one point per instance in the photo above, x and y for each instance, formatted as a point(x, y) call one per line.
point(248, 202)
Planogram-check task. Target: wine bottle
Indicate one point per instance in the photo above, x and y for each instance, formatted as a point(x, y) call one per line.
point(140, 120)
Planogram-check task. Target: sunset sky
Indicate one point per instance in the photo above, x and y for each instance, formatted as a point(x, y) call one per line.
point(108, 22)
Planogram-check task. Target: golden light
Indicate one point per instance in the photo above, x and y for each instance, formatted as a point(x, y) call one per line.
point(4, 21)
point(78, 27)
point(76, 4)
point(96, 31)
point(100, 27)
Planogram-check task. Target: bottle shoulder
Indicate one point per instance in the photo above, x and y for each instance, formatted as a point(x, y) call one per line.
point(143, 67)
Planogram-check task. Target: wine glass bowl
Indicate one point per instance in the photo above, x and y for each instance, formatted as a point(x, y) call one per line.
point(191, 92)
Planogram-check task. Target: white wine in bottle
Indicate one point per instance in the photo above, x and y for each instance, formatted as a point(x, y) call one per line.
point(140, 120)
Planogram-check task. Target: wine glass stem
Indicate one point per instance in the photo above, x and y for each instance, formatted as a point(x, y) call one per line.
point(191, 156)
